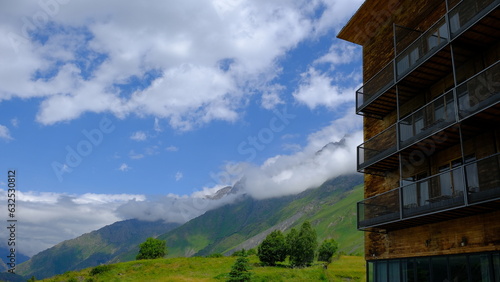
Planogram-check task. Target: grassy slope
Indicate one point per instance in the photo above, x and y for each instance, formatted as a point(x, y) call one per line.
point(331, 209)
point(94, 248)
point(216, 269)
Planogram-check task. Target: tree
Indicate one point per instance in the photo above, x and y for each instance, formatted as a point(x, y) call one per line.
point(302, 246)
point(240, 270)
point(291, 242)
point(151, 249)
point(327, 249)
point(273, 249)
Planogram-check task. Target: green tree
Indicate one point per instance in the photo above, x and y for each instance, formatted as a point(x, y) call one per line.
point(273, 249)
point(327, 249)
point(240, 270)
point(291, 242)
point(151, 249)
point(303, 247)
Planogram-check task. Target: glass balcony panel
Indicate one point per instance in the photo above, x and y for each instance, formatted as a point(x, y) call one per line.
point(483, 179)
point(375, 86)
point(423, 47)
point(479, 92)
point(379, 209)
point(438, 192)
point(465, 13)
point(431, 118)
point(378, 147)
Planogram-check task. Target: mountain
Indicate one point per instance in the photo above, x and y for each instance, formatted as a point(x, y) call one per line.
point(331, 209)
point(94, 248)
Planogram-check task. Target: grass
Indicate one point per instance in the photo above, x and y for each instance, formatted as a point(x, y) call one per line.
point(345, 268)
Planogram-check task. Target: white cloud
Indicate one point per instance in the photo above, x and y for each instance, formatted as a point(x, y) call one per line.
point(5, 133)
point(14, 122)
point(319, 89)
point(57, 217)
point(135, 156)
point(172, 149)
point(124, 167)
point(178, 176)
point(329, 152)
point(198, 61)
point(156, 126)
point(139, 136)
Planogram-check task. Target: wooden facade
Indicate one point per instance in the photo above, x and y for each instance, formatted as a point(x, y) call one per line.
point(431, 156)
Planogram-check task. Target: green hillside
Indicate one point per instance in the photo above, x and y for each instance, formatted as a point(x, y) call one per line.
point(91, 249)
point(331, 208)
point(346, 268)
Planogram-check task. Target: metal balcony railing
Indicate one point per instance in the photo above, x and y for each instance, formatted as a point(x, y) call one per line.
point(483, 179)
point(467, 12)
point(379, 209)
point(428, 119)
point(470, 184)
point(438, 192)
point(461, 17)
point(479, 91)
point(378, 147)
point(422, 48)
point(375, 86)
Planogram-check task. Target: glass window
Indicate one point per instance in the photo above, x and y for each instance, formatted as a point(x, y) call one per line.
point(480, 268)
point(370, 274)
point(458, 269)
point(496, 267)
point(394, 271)
point(423, 273)
point(407, 270)
point(439, 269)
point(381, 271)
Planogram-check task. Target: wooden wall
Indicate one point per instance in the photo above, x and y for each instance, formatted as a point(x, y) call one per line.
point(481, 233)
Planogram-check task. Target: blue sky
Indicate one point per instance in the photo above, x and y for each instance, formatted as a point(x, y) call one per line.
point(104, 103)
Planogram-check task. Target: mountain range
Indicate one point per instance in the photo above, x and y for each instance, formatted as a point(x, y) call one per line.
point(331, 209)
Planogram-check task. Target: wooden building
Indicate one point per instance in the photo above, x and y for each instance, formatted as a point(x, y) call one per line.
point(431, 151)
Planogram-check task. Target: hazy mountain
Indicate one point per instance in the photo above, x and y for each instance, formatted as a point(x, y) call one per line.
point(245, 223)
point(331, 208)
point(94, 248)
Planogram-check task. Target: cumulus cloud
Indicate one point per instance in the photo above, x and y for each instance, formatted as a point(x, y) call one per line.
point(329, 152)
point(153, 60)
point(5, 133)
point(319, 89)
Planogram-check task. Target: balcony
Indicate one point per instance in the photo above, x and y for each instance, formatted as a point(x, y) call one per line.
point(377, 96)
point(426, 45)
point(373, 89)
point(435, 193)
point(479, 92)
point(427, 120)
point(467, 13)
point(377, 148)
point(483, 181)
point(467, 189)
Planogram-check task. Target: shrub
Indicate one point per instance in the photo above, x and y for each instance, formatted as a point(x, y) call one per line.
point(216, 255)
point(100, 269)
point(152, 249)
point(240, 271)
point(240, 253)
point(327, 249)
